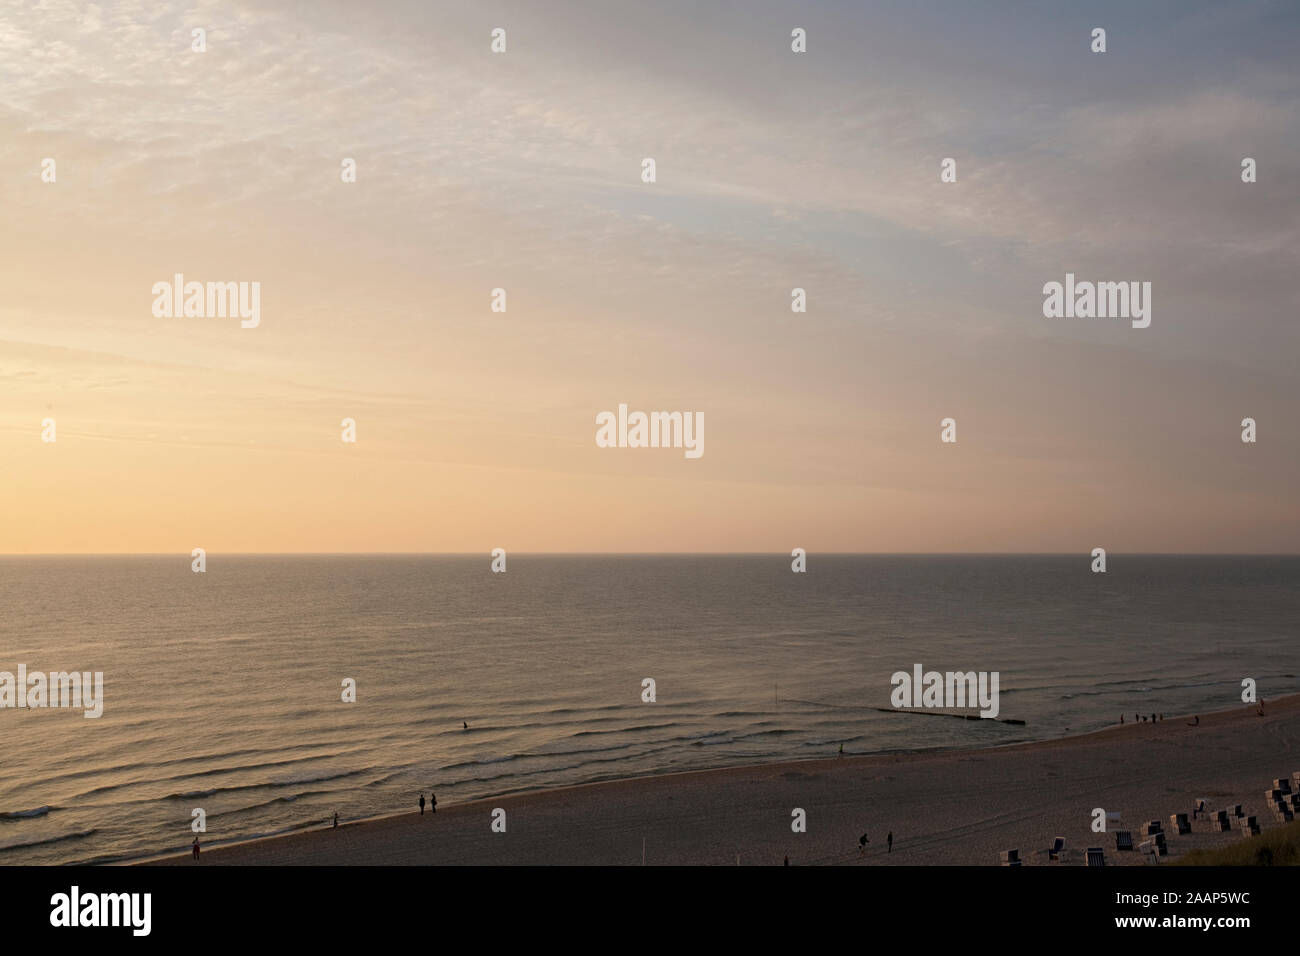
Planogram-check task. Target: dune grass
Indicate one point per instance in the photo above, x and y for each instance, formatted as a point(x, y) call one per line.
point(1276, 847)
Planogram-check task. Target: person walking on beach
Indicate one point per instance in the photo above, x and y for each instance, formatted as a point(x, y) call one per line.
point(195, 847)
point(1153, 718)
point(889, 842)
point(336, 821)
point(433, 802)
point(1121, 719)
point(862, 844)
point(421, 804)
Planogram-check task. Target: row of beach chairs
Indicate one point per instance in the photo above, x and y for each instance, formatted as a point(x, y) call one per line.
point(1283, 799)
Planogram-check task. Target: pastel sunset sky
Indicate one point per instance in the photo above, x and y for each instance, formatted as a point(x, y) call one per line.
point(775, 170)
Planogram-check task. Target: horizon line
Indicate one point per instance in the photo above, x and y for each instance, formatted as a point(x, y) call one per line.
point(488, 553)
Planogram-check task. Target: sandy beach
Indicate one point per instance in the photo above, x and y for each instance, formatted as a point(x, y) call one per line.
point(943, 808)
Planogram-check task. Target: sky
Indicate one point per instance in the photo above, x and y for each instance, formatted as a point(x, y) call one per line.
point(774, 170)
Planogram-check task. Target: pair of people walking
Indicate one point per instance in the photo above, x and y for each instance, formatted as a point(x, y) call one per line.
point(433, 803)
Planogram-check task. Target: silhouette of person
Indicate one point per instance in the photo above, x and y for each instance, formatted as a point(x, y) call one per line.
point(433, 801)
point(464, 725)
point(841, 747)
point(889, 842)
point(1153, 718)
point(421, 804)
point(862, 844)
point(1121, 718)
point(195, 847)
point(787, 862)
point(336, 821)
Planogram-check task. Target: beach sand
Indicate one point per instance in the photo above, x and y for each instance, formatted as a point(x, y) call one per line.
point(961, 807)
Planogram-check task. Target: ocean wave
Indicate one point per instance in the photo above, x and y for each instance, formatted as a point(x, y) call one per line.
point(1112, 688)
point(552, 769)
point(21, 844)
point(539, 755)
point(623, 730)
point(695, 738)
point(210, 772)
point(481, 761)
point(267, 784)
point(26, 814)
point(774, 732)
point(582, 710)
point(562, 751)
point(287, 798)
point(380, 781)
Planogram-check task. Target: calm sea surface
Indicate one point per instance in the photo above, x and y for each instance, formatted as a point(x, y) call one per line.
point(222, 690)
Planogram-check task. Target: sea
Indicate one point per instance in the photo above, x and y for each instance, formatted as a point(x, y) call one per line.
point(224, 691)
